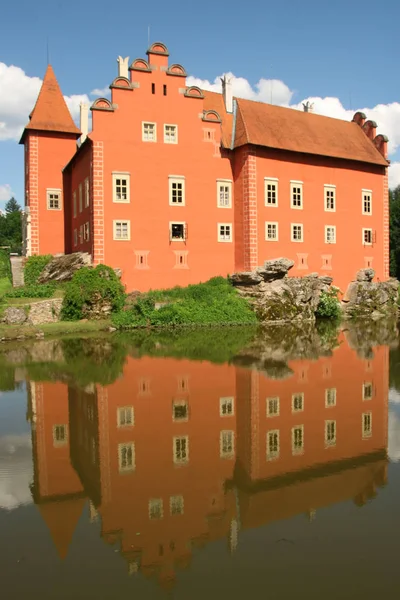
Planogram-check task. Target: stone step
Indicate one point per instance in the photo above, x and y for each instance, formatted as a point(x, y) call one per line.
point(17, 270)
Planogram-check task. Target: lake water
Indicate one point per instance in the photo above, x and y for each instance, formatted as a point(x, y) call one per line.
point(206, 464)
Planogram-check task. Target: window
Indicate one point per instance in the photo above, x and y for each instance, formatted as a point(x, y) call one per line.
point(149, 132)
point(298, 402)
point(224, 193)
point(176, 190)
point(273, 407)
point(141, 257)
point(367, 237)
point(326, 262)
point(126, 457)
point(170, 134)
point(366, 202)
point(122, 230)
point(81, 234)
point(330, 234)
point(273, 444)
point(125, 416)
point(302, 261)
point(86, 232)
point(181, 259)
point(156, 509)
point(121, 187)
point(270, 192)
point(297, 232)
point(226, 407)
point(181, 449)
point(366, 425)
point(296, 194)
point(180, 411)
point(54, 199)
point(74, 203)
point(60, 435)
point(87, 192)
point(177, 232)
point(271, 232)
point(224, 232)
point(226, 444)
point(183, 384)
point(153, 88)
point(164, 89)
point(330, 397)
point(330, 198)
point(80, 198)
point(144, 387)
point(298, 439)
point(367, 391)
point(176, 505)
point(75, 237)
point(330, 433)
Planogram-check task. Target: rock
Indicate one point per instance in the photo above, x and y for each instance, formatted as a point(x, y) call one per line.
point(365, 299)
point(63, 267)
point(276, 268)
point(132, 297)
point(326, 280)
point(365, 275)
point(112, 329)
point(39, 335)
point(118, 273)
point(376, 315)
point(246, 278)
point(46, 311)
point(15, 316)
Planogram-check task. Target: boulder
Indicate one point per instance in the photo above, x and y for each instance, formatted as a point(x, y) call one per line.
point(14, 316)
point(365, 275)
point(276, 268)
point(365, 299)
point(62, 268)
point(246, 278)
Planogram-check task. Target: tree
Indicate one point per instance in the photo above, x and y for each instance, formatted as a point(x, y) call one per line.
point(394, 232)
point(12, 206)
point(11, 226)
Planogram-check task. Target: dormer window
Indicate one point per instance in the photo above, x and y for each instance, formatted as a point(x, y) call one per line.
point(149, 132)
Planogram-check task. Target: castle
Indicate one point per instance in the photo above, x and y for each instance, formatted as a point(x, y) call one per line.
point(174, 184)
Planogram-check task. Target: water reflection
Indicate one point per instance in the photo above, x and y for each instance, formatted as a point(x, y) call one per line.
point(172, 454)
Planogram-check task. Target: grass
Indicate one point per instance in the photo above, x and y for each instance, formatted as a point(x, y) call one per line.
point(13, 332)
point(5, 286)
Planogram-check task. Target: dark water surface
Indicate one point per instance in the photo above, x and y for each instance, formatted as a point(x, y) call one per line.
point(227, 464)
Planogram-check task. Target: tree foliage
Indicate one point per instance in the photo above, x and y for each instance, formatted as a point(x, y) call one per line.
point(394, 228)
point(11, 226)
point(34, 267)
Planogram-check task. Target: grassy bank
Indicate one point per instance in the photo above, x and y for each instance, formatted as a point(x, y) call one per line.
point(14, 332)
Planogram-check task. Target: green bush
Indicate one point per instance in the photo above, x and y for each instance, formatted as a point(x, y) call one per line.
point(90, 288)
point(328, 306)
point(5, 265)
point(32, 291)
point(34, 267)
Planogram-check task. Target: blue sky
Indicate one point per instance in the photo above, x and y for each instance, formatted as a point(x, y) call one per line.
point(338, 53)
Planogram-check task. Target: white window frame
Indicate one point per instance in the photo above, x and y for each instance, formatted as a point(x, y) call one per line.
point(180, 461)
point(57, 192)
point(227, 400)
point(366, 193)
point(295, 396)
point(156, 503)
point(81, 234)
point(179, 501)
point(155, 131)
point(64, 441)
point(330, 403)
point(224, 183)
point(129, 468)
point(87, 192)
point(184, 231)
point(122, 410)
point(296, 184)
point(127, 177)
point(118, 239)
point(166, 140)
point(180, 402)
point(80, 195)
point(329, 188)
point(329, 443)
point(75, 238)
point(223, 239)
point(367, 385)
point(230, 453)
point(366, 434)
point(278, 403)
point(292, 225)
point(275, 182)
point(364, 229)
point(176, 179)
point(274, 454)
point(74, 205)
point(333, 228)
point(296, 451)
point(86, 232)
point(276, 224)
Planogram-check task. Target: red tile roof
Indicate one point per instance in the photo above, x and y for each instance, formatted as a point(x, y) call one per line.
point(214, 101)
point(51, 112)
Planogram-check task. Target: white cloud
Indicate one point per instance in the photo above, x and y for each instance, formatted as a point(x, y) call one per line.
point(5, 192)
point(394, 436)
point(104, 92)
point(16, 471)
point(394, 175)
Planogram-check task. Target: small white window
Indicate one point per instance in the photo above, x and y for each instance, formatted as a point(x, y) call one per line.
point(74, 203)
point(330, 198)
point(156, 509)
point(330, 234)
point(87, 192)
point(330, 397)
point(60, 435)
point(367, 237)
point(298, 439)
point(296, 194)
point(125, 416)
point(170, 134)
point(122, 230)
point(121, 187)
point(366, 202)
point(75, 237)
point(273, 444)
point(226, 444)
point(80, 198)
point(297, 232)
point(86, 234)
point(366, 425)
point(224, 193)
point(149, 132)
point(176, 505)
point(226, 407)
point(368, 391)
point(273, 406)
point(224, 232)
point(177, 231)
point(176, 190)
point(330, 433)
point(270, 191)
point(180, 410)
point(181, 449)
point(126, 457)
point(81, 234)
point(271, 231)
point(54, 199)
point(298, 402)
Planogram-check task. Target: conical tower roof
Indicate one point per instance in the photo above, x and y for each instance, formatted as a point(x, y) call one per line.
point(61, 517)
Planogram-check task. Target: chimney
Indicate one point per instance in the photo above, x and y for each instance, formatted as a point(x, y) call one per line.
point(308, 106)
point(227, 93)
point(370, 129)
point(381, 142)
point(84, 126)
point(123, 66)
point(359, 118)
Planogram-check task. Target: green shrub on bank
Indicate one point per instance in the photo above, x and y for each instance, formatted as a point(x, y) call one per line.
point(5, 265)
point(34, 267)
point(90, 290)
point(214, 302)
point(328, 306)
point(33, 291)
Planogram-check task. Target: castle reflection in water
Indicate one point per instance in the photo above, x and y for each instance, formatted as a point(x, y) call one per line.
point(176, 453)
